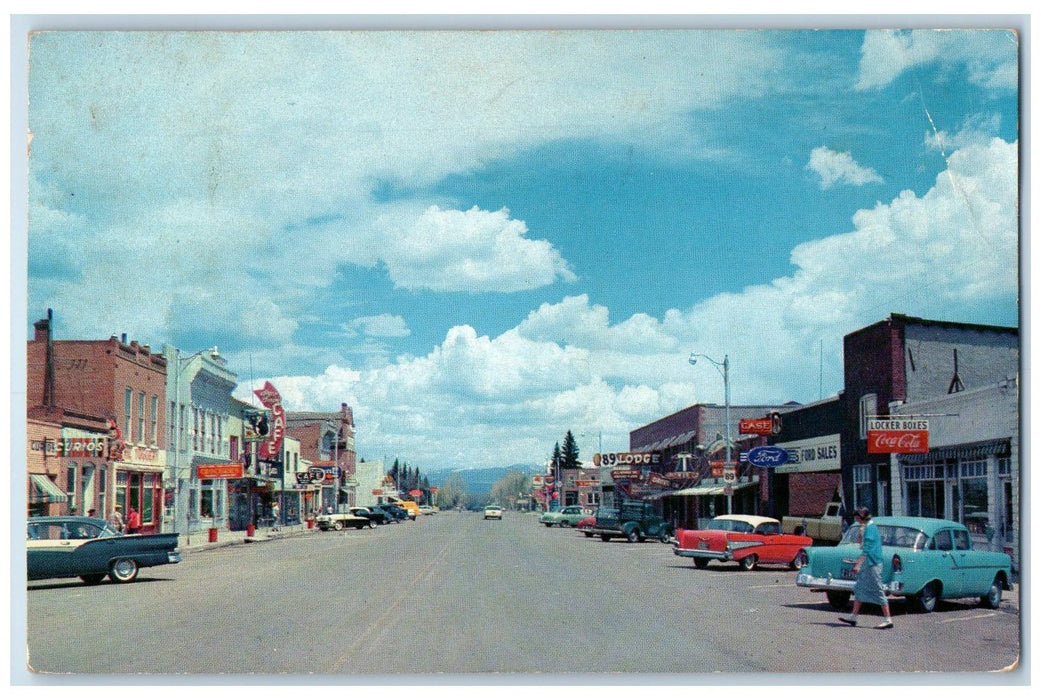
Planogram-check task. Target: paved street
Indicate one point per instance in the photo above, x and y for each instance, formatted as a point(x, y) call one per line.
point(453, 593)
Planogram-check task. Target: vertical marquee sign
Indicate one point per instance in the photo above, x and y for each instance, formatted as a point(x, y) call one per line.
point(271, 447)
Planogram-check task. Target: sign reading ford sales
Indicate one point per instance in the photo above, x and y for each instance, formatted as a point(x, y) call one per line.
point(898, 436)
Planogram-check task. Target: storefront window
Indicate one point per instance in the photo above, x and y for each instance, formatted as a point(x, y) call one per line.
point(206, 503)
point(975, 512)
point(863, 494)
point(147, 499)
point(121, 491)
point(70, 485)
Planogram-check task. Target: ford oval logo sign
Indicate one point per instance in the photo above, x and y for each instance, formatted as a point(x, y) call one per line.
point(768, 456)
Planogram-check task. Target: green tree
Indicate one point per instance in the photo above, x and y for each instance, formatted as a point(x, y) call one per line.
point(509, 487)
point(453, 492)
point(569, 452)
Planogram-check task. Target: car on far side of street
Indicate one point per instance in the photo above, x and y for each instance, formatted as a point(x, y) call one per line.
point(493, 511)
point(568, 516)
point(427, 510)
point(374, 517)
point(924, 560)
point(396, 513)
point(69, 546)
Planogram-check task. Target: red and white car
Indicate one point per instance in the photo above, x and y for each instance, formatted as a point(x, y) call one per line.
point(749, 540)
point(586, 525)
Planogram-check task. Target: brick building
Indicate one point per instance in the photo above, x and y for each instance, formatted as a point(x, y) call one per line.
point(327, 440)
point(108, 396)
point(906, 360)
point(693, 441)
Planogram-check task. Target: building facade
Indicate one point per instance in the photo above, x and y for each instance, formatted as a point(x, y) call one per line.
point(327, 441)
point(110, 398)
point(970, 472)
point(692, 446)
point(811, 435)
point(906, 360)
point(198, 394)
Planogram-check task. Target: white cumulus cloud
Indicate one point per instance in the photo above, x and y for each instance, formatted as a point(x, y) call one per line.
point(504, 399)
point(989, 57)
point(833, 168)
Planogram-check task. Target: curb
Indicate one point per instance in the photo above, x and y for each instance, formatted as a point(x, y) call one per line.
point(238, 538)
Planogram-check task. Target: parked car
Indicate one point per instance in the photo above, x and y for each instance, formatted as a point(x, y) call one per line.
point(396, 512)
point(427, 510)
point(749, 540)
point(568, 516)
point(339, 521)
point(493, 511)
point(374, 517)
point(586, 525)
point(69, 546)
point(633, 520)
point(923, 559)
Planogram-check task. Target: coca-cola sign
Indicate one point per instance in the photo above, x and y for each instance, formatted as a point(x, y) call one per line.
point(897, 441)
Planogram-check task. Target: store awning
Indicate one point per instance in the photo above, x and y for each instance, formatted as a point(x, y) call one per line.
point(45, 491)
point(711, 489)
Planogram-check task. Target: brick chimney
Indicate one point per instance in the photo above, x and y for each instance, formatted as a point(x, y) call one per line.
point(42, 329)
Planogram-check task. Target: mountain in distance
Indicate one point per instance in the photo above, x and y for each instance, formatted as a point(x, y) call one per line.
point(480, 481)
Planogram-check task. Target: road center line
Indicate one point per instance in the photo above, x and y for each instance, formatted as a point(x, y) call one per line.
point(382, 619)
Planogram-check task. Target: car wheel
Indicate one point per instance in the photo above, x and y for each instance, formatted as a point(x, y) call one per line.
point(338, 525)
point(123, 570)
point(549, 524)
point(372, 524)
point(926, 601)
point(748, 563)
point(799, 561)
point(605, 538)
point(588, 534)
point(564, 523)
point(993, 598)
point(701, 562)
point(634, 535)
point(665, 536)
point(92, 579)
point(838, 599)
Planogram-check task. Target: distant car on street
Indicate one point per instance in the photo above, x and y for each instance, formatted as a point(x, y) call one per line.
point(568, 516)
point(923, 559)
point(493, 511)
point(69, 546)
point(428, 510)
point(749, 540)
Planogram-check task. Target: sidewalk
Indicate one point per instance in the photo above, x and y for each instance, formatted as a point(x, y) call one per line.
point(200, 541)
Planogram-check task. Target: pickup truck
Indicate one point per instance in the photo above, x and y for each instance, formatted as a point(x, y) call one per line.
point(633, 520)
point(825, 528)
point(338, 521)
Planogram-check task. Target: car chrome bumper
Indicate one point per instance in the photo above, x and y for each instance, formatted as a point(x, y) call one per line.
point(726, 555)
point(173, 557)
point(830, 583)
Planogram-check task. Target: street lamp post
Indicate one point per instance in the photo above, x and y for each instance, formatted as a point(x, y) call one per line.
point(725, 364)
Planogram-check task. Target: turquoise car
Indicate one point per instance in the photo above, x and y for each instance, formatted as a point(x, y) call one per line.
point(923, 559)
point(568, 516)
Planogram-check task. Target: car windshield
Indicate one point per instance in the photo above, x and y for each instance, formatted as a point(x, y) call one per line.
point(892, 536)
point(727, 525)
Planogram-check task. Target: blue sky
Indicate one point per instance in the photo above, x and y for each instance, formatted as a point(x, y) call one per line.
point(482, 240)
